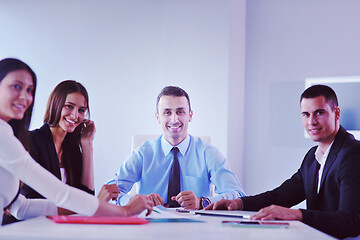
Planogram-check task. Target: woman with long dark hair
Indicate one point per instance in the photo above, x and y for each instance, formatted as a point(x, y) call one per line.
point(64, 144)
point(17, 93)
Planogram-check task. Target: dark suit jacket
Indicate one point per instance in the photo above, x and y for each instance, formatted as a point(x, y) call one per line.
point(42, 149)
point(336, 208)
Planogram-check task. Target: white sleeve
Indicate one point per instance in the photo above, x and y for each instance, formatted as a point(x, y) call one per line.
point(16, 160)
point(24, 208)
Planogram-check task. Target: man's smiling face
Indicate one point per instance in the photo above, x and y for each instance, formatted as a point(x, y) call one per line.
point(319, 120)
point(174, 116)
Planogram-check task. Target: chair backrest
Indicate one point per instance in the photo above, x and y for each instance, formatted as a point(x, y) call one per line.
point(138, 140)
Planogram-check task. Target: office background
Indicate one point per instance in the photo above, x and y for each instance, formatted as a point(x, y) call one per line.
point(243, 64)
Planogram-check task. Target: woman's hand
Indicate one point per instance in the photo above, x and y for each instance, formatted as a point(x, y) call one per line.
point(139, 203)
point(87, 137)
point(87, 132)
point(109, 192)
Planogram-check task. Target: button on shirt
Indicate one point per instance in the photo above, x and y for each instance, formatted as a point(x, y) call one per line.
point(321, 160)
point(200, 165)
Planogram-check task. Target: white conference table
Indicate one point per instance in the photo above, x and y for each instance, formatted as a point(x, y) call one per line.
point(42, 228)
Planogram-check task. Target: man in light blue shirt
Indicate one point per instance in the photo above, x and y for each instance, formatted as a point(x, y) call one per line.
point(200, 163)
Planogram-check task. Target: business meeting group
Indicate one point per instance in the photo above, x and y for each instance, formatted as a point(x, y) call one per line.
point(49, 171)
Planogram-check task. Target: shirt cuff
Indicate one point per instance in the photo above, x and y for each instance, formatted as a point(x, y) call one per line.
point(24, 208)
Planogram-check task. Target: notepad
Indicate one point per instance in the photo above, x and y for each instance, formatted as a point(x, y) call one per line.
point(97, 220)
point(172, 220)
point(256, 224)
point(160, 212)
point(223, 213)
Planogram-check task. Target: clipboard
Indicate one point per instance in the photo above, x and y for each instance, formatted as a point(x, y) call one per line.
point(97, 220)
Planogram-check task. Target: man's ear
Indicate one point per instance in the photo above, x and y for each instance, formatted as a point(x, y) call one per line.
point(337, 113)
point(191, 114)
point(157, 117)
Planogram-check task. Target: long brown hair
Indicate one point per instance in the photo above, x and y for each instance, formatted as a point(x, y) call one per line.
point(21, 126)
point(71, 157)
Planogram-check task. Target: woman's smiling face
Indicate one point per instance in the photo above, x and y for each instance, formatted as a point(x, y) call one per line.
point(16, 94)
point(73, 112)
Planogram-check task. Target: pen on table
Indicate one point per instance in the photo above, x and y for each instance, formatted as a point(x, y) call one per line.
point(156, 211)
point(183, 210)
point(116, 179)
point(116, 183)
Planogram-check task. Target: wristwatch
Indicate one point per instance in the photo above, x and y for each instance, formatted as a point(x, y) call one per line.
point(205, 202)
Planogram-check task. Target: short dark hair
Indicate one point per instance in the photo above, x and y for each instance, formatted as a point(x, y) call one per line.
point(172, 91)
point(321, 90)
point(19, 126)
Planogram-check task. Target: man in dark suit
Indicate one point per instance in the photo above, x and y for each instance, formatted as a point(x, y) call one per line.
point(328, 179)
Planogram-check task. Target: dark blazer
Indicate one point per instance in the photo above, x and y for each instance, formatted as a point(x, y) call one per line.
point(335, 210)
point(42, 149)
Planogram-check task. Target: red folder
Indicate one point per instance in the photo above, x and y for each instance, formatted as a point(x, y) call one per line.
point(97, 220)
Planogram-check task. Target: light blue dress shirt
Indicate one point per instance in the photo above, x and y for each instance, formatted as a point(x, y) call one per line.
point(200, 165)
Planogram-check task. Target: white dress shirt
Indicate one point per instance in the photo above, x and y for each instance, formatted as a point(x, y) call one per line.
point(16, 163)
point(321, 158)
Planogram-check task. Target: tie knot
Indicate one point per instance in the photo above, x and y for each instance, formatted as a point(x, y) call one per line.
point(175, 151)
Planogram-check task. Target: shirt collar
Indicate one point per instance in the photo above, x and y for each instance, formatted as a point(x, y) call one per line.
point(183, 146)
point(321, 159)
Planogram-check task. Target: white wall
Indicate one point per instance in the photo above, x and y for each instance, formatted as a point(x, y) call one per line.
point(236, 93)
point(125, 52)
point(286, 42)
